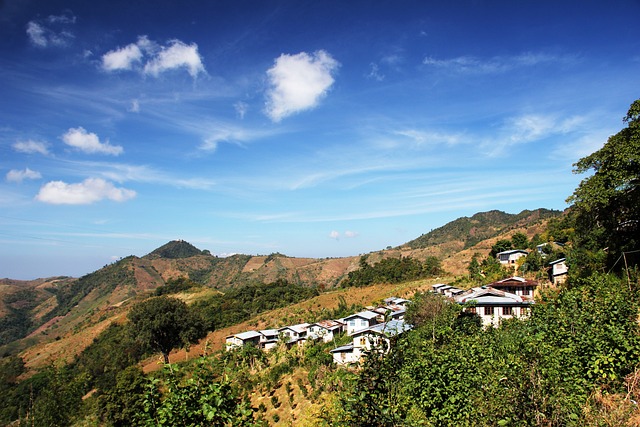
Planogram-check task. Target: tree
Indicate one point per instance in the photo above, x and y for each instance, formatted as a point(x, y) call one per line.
point(500, 246)
point(520, 241)
point(607, 203)
point(163, 323)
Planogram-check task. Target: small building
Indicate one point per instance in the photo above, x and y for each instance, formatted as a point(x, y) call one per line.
point(294, 333)
point(397, 301)
point(359, 321)
point(436, 288)
point(510, 257)
point(558, 270)
point(375, 337)
point(492, 305)
point(390, 312)
point(269, 339)
point(242, 339)
point(325, 329)
point(516, 285)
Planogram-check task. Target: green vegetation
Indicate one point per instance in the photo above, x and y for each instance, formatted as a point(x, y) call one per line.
point(104, 281)
point(17, 323)
point(175, 249)
point(175, 286)
point(392, 270)
point(163, 323)
point(606, 204)
point(240, 304)
point(480, 226)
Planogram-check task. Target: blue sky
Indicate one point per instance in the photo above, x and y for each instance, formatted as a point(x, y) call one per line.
point(309, 128)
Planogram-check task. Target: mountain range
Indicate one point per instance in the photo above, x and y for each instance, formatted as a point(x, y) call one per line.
point(39, 314)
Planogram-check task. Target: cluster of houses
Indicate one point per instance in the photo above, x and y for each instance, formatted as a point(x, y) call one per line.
point(504, 299)
point(558, 269)
point(368, 328)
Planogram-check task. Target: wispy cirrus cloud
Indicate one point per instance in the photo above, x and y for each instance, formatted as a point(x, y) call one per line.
point(52, 31)
point(493, 65)
point(151, 58)
point(530, 128)
point(31, 147)
point(89, 191)
point(298, 83)
point(89, 142)
point(15, 175)
point(122, 172)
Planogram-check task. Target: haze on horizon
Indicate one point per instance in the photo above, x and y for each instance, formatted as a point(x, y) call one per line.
point(309, 128)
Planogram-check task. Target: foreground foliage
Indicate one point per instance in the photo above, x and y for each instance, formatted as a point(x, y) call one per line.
point(538, 371)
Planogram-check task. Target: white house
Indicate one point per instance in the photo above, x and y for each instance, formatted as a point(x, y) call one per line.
point(269, 339)
point(559, 270)
point(390, 312)
point(397, 301)
point(325, 329)
point(242, 339)
point(359, 321)
point(294, 333)
point(510, 257)
point(377, 336)
point(492, 305)
point(516, 285)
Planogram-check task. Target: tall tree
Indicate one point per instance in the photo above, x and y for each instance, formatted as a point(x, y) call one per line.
point(607, 203)
point(164, 323)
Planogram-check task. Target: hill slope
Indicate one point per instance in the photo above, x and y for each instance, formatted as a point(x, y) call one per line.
point(50, 309)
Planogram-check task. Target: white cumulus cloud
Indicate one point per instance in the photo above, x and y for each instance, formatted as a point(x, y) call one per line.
point(122, 59)
point(298, 82)
point(31, 147)
point(148, 57)
point(89, 142)
point(176, 55)
point(15, 175)
point(335, 235)
point(89, 191)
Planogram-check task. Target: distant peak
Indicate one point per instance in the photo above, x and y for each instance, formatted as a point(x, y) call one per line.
point(175, 249)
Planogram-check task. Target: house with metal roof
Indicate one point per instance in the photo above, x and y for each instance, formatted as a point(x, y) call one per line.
point(359, 321)
point(492, 305)
point(375, 337)
point(325, 330)
point(510, 257)
point(516, 285)
point(558, 270)
point(242, 339)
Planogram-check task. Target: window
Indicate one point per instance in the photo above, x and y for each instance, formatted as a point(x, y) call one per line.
point(525, 291)
point(488, 311)
point(507, 311)
point(363, 341)
point(471, 310)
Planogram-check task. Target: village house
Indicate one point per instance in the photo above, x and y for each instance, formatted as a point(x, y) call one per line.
point(269, 339)
point(492, 305)
point(359, 321)
point(294, 333)
point(377, 336)
point(390, 312)
point(397, 301)
point(242, 339)
point(325, 329)
point(511, 257)
point(516, 285)
point(558, 270)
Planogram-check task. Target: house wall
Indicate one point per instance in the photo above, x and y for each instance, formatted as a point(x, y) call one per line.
point(358, 324)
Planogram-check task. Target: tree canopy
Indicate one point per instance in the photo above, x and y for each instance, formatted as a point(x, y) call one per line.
point(607, 203)
point(164, 323)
